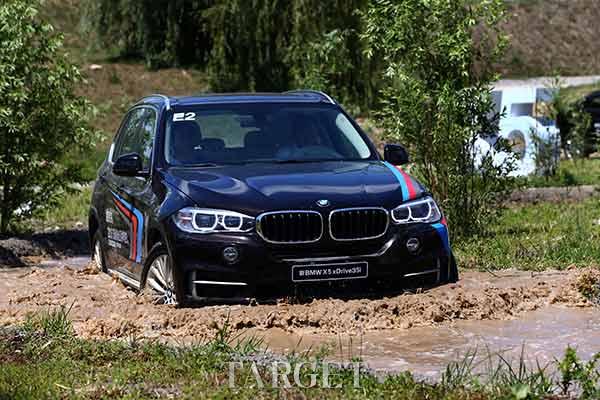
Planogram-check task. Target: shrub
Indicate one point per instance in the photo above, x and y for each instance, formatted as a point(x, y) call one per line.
point(583, 375)
point(547, 154)
point(42, 121)
point(577, 135)
point(438, 56)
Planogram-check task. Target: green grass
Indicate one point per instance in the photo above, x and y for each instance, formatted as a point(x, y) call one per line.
point(70, 212)
point(570, 173)
point(44, 359)
point(536, 237)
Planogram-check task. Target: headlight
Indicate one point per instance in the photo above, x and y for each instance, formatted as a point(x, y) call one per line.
point(423, 210)
point(204, 220)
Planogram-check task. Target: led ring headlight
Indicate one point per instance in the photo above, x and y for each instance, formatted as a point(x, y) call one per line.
point(205, 220)
point(424, 210)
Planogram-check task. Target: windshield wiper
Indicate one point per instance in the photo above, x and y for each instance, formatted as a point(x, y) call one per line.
point(259, 161)
point(272, 161)
point(200, 165)
point(300, 161)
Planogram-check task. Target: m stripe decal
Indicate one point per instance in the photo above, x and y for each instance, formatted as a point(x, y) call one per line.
point(136, 219)
point(407, 185)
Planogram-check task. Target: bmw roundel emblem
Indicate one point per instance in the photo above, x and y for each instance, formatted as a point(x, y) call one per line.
point(323, 203)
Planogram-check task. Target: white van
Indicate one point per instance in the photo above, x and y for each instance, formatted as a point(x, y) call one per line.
point(523, 108)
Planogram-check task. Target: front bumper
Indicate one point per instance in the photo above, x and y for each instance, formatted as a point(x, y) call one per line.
point(262, 266)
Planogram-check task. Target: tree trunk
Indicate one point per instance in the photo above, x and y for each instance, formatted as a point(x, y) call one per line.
point(5, 211)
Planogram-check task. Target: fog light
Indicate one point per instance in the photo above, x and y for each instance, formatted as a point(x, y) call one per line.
point(231, 255)
point(413, 245)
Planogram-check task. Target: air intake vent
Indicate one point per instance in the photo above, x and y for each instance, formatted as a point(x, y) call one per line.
point(358, 223)
point(290, 226)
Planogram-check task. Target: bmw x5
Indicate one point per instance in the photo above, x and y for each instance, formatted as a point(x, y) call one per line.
point(216, 196)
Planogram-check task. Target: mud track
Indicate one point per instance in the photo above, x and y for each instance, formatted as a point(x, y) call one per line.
point(103, 308)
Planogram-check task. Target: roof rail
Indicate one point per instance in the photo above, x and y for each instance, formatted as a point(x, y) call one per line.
point(309, 91)
point(162, 96)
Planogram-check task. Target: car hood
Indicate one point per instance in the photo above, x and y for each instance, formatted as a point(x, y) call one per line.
point(258, 187)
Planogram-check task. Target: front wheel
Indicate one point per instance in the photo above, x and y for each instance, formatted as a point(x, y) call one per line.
point(160, 280)
point(449, 272)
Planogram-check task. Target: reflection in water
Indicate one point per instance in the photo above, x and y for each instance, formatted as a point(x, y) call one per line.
point(543, 335)
point(72, 262)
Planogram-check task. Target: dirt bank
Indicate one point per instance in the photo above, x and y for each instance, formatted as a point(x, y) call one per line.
point(103, 308)
point(26, 249)
point(555, 194)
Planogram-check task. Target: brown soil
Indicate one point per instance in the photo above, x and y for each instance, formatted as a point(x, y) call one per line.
point(116, 86)
point(32, 249)
point(103, 308)
point(555, 194)
point(551, 36)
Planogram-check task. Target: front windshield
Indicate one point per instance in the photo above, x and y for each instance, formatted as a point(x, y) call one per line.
point(264, 132)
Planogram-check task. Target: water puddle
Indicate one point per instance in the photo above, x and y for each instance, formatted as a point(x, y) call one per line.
point(542, 335)
point(77, 263)
point(420, 332)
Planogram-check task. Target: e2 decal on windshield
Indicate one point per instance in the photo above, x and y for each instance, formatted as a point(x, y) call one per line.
point(178, 117)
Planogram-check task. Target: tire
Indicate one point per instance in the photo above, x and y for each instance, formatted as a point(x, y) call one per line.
point(450, 274)
point(161, 280)
point(98, 252)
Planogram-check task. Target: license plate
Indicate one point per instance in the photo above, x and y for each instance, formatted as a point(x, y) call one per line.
point(329, 272)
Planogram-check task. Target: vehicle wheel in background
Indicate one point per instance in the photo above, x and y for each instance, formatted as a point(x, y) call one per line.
point(449, 272)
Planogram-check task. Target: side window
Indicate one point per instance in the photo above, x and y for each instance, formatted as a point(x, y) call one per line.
point(146, 132)
point(521, 110)
point(137, 135)
point(354, 143)
point(125, 138)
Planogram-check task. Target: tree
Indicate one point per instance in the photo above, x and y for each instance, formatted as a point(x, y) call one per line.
point(162, 32)
point(438, 57)
point(42, 120)
point(273, 45)
point(245, 45)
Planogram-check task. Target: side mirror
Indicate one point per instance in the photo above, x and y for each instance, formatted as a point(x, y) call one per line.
point(128, 165)
point(395, 154)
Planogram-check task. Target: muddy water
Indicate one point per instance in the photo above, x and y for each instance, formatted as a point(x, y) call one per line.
point(78, 263)
point(421, 332)
point(541, 335)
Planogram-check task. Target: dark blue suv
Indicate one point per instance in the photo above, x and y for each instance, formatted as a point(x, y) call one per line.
point(216, 196)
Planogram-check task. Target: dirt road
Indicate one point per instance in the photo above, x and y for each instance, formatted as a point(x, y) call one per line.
point(104, 308)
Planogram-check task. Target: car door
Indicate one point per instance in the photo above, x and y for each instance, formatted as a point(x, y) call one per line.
point(139, 189)
point(124, 222)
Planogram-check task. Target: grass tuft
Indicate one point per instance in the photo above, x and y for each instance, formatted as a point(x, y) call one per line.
point(51, 324)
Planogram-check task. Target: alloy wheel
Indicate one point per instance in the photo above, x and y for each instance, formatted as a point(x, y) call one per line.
point(98, 255)
point(160, 281)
